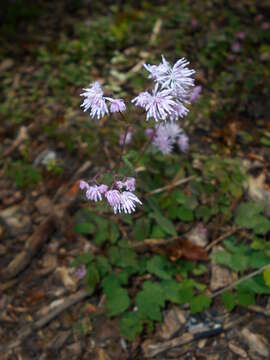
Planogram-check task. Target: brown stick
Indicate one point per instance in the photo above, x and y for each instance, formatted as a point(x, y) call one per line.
point(150, 349)
point(41, 235)
point(170, 186)
point(33, 245)
point(220, 238)
point(40, 323)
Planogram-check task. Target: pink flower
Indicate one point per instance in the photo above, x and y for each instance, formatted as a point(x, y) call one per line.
point(95, 192)
point(129, 184)
point(149, 132)
point(183, 142)
point(127, 203)
point(117, 105)
point(241, 35)
point(265, 26)
point(236, 47)
point(142, 99)
point(113, 197)
point(81, 272)
point(195, 93)
point(83, 185)
point(95, 101)
point(179, 111)
point(158, 105)
point(128, 138)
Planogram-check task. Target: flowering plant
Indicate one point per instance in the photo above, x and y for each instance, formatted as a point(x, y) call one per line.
point(166, 104)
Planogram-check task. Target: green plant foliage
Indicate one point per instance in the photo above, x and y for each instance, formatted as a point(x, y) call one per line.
point(92, 278)
point(142, 228)
point(150, 300)
point(248, 215)
point(84, 228)
point(199, 303)
point(245, 298)
point(117, 301)
point(159, 266)
point(131, 325)
point(23, 174)
point(229, 300)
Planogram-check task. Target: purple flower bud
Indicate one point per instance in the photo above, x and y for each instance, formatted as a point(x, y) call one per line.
point(149, 132)
point(93, 193)
point(81, 272)
point(130, 184)
point(117, 105)
point(241, 35)
point(83, 185)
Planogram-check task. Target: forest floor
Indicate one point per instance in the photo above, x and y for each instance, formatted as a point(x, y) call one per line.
point(198, 248)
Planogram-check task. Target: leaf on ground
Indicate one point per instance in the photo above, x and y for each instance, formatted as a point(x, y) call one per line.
point(159, 266)
point(199, 303)
point(150, 300)
point(117, 300)
point(228, 299)
point(245, 298)
point(130, 326)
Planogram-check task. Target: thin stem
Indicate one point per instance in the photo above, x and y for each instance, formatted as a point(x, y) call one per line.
point(124, 142)
point(148, 143)
point(239, 281)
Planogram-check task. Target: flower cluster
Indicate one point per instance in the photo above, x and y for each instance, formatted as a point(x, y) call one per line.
point(121, 201)
point(167, 135)
point(97, 102)
point(172, 90)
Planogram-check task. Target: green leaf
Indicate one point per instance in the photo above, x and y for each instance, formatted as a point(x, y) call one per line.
point(114, 254)
point(159, 266)
point(262, 225)
point(142, 228)
point(157, 232)
point(117, 300)
point(85, 259)
point(258, 259)
point(127, 258)
point(150, 300)
point(113, 232)
point(171, 289)
point(266, 276)
point(85, 228)
point(164, 223)
point(185, 214)
point(200, 303)
point(228, 299)
point(247, 216)
point(103, 265)
point(102, 233)
point(185, 295)
point(239, 262)
point(255, 285)
point(199, 270)
point(222, 257)
point(92, 278)
point(245, 298)
point(130, 326)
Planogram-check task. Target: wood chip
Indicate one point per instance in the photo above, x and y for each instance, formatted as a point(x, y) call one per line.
point(256, 342)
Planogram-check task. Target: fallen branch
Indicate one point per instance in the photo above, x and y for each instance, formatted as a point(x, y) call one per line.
point(33, 245)
point(170, 186)
point(222, 237)
point(151, 350)
point(57, 218)
point(239, 281)
point(46, 319)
